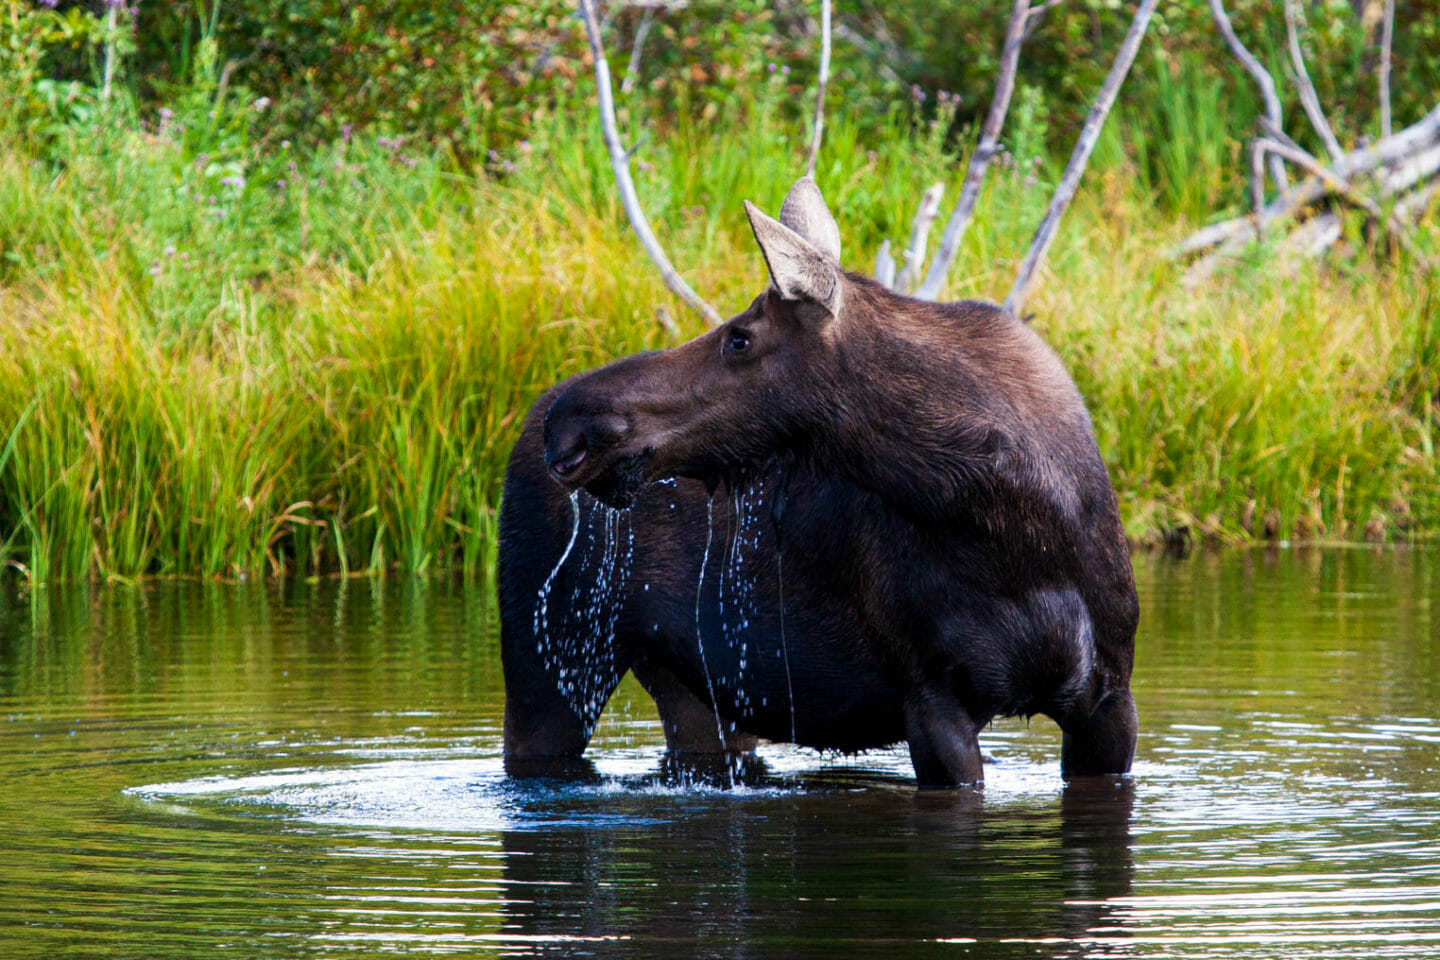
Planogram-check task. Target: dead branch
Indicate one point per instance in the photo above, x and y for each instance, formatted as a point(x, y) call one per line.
point(1313, 237)
point(1404, 174)
point(925, 215)
point(822, 79)
point(1387, 39)
point(620, 162)
point(1036, 16)
point(1342, 188)
point(885, 266)
point(632, 71)
point(1398, 162)
point(1257, 175)
point(1070, 179)
point(1309, 99)
point(888, 54)
point(1262, 78)
point(1413, 207)
point(985, 150)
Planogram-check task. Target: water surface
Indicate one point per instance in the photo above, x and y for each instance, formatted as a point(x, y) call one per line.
point(312, 770)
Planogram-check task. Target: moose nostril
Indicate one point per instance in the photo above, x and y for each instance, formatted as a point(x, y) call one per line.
point(570, 464)
point(609, 427)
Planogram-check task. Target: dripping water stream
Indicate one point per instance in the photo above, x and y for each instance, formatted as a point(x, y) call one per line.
point(699, 638)
point(784, 646)
point(542, 605)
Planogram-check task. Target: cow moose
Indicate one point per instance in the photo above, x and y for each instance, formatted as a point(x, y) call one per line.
point(846, 518)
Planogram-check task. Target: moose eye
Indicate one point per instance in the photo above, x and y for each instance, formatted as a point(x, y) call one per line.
point(737, 341)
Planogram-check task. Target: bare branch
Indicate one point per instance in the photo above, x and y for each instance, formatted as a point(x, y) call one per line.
point(1262, 78)
point(984, 152)
point(1414, 206)
point(1342, 188)
point(1399, 162)
point(882, 49)
point(1406, 173)
point(621, 165)
point(925, 215)
point(885, 266)
point(1308, 241)
point(822, 80)
point(1257, 175)
point(1309, 99)
point(1387, 39)
point(1036, 15)
point(632, 71)
point(1313, 237)
point(1070, 179)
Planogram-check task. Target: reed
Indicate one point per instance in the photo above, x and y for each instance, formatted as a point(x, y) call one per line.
point(237, 367)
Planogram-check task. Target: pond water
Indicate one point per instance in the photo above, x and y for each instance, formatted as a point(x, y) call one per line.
point(313, 770)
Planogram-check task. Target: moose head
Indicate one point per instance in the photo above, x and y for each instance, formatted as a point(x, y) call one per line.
point(728, 399)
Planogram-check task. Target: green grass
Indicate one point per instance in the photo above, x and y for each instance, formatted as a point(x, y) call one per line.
point(327, 375)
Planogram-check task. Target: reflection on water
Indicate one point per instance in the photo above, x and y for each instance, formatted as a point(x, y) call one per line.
point(314, 770)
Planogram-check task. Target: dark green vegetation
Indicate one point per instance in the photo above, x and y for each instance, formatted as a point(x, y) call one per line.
point(275, 302)
point(312, 770)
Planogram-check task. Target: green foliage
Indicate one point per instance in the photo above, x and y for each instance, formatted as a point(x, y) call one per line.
point(240, 335)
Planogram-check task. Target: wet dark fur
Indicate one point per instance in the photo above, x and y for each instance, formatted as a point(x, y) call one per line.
point(950, 545)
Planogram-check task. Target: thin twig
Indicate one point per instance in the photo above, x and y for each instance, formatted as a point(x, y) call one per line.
point(641, 31)
point(1262, 78)
point(1309, 99)
point(822, 80)
point(984, 152)
point(925, 215)
point(1387, 39)
point(621, 165)
point(1070, 179)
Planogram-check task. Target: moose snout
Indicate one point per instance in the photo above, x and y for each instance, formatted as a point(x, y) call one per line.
point(574, 436)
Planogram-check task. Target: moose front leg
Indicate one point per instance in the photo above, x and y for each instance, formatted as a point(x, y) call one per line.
point(944, 739)
point(691, 726)
point(1101, 741)
point(541, 722)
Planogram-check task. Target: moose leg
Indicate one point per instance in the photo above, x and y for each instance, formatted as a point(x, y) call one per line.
point(690, 725)
point(944, 740)
point(1103, 741)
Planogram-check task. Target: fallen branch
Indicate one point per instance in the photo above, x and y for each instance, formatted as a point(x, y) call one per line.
point(985, 150)
point(1309, 99)
point(822, 79)
point(1262, 79)
point(1342, 188)
point(620, 162)
point(1080, 157)
point(925, 215)
point(1398, 162)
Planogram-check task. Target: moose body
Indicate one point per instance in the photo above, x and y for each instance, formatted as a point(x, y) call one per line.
point(904, 500)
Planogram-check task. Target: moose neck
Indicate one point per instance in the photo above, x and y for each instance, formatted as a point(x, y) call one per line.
point(906, 413)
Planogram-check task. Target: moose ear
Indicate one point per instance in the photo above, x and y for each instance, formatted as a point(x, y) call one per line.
point(804, 211)
point(798, 268)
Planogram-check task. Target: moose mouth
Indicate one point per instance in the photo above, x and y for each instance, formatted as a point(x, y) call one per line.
point(615, 485)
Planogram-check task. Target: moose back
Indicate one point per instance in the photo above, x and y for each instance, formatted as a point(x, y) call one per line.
point(844, 518)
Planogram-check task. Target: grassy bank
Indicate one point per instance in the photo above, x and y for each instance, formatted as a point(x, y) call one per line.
point(248, 362)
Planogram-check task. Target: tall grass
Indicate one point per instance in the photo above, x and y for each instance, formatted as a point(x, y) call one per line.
point(264, 363)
